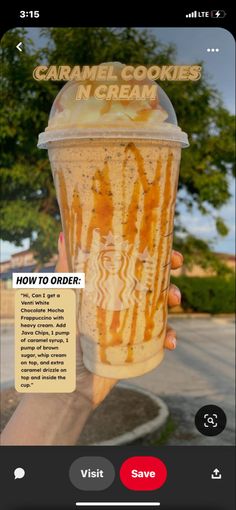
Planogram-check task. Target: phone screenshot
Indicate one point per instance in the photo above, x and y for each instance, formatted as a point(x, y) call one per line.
point(117, 260)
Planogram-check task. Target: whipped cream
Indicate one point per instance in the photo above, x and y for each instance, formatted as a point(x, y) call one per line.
point(67, 112)
point(71, 118)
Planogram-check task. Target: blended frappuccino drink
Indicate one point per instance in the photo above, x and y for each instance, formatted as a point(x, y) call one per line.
point(115, 166)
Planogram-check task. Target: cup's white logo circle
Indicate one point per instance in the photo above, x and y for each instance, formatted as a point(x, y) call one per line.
point(111, 277)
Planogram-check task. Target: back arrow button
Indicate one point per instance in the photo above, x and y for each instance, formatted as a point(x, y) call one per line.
point(19, 46)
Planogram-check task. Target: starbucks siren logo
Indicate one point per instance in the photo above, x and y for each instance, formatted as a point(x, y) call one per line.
point(110, 274)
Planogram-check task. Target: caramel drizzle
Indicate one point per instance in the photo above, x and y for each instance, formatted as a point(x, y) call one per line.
point(164, 225)
point(166, 276)
point(72, 224)
point(76, 223)
point(103, 209)
point(102, 329)
point(147, 229)
point(129, 233)
point(149, 295)
point(72, 219)
point(102, 214)
point(101, 218)
point(66, 216)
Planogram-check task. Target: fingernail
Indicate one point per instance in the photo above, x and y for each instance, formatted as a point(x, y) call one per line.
point(61, 237)
point(178, 254)
point(173, 342)
point(176, 293)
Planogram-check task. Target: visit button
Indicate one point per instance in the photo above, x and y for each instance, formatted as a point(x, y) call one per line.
point(143, 473)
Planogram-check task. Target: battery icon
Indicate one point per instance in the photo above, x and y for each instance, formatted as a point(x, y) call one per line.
point(218, 14)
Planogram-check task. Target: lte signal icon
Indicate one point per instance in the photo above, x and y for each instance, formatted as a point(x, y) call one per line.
point(218, 14)
point(198, 14)
point(191, 15)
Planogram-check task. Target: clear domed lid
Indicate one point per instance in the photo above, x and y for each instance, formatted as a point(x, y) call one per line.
point(118, 108)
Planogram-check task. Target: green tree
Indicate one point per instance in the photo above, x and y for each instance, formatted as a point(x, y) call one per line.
point(28, 207)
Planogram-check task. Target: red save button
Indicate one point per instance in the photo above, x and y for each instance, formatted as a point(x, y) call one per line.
point(143, 473)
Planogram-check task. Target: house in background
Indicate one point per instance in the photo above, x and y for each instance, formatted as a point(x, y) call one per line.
point(196, 270)
point(22, 262)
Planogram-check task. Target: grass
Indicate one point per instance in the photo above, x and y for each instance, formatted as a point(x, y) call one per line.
point(165, 434)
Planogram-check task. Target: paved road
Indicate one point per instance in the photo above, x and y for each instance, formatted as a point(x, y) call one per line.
point(199, 372)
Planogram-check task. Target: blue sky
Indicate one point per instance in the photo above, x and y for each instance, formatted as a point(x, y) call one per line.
point(192, 45)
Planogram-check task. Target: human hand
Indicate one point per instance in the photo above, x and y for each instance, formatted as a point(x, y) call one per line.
point(93, 387)
point(174, 299)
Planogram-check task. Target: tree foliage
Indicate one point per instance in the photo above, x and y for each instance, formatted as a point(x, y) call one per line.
point(209, 294)
point(28, 207)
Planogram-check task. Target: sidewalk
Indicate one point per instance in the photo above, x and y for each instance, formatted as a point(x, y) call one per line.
point(199, 372)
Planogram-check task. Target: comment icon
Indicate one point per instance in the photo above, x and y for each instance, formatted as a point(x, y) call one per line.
point(19, 473)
